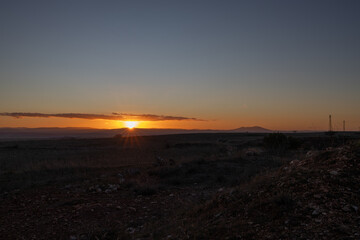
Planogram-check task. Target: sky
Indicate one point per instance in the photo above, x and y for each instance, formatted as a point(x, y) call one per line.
point(283, 65)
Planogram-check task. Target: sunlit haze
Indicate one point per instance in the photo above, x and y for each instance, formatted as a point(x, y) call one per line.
point(131, 124)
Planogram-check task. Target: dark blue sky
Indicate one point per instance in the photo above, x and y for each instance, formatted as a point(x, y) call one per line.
point(280, 64)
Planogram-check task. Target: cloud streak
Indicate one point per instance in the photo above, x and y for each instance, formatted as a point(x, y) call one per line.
point(113, 116)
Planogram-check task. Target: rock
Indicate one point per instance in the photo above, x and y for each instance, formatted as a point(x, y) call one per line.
point(293, 162)
point(133, 171)
point(334, 173)
point(315, 212)
point(343, 228)
point(356, 208)
point(83, 237)
point(310, 154)
point(160, 161)
point(72, 237)
point(250, 153)
point(172, 162)
point(121, 178)
point(346, 208)
point(113, 187)
point(132, 209)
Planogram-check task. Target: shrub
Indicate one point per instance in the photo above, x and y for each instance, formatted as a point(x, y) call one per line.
point(279, 142)
point(145, 190)
point(294, 143)
point(276, 141)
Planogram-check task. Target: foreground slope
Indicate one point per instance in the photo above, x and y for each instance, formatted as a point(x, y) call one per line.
point(313, 198)
point(189, 186)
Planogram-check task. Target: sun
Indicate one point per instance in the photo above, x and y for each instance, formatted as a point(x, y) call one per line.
point(131, 124)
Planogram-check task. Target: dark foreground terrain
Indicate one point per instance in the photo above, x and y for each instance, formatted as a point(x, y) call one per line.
point(190, 186)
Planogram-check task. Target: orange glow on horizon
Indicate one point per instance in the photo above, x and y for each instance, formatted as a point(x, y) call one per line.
point(227, 123)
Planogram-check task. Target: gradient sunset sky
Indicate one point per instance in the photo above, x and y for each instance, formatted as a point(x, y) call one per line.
point(282, 65)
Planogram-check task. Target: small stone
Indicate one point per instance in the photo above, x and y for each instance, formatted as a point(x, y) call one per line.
point(346, 209)
point(356, 208)
point(132, 209)
point(72, 237)
point(315, 212)
point(334, 173)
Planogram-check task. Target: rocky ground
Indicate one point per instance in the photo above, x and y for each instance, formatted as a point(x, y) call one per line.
point(249, 194)
point(317, 197)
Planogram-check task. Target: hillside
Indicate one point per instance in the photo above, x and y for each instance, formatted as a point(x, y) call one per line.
point(254, 129)
point(317, 197)
point(82, 133)
point(188, 186)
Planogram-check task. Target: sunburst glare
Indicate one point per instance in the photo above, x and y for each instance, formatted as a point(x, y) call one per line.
point(131, 124)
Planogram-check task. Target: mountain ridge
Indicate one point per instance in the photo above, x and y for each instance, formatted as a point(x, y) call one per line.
point(56, 132)
point(252, 129)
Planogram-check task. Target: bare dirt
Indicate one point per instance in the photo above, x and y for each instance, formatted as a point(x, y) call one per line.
point(196, 186)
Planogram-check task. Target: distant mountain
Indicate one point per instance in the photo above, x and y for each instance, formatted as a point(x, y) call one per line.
point(56, 133)
point(254, 129)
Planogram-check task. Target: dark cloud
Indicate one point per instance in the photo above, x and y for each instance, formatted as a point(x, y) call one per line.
point(113, 116)
point(152, 117)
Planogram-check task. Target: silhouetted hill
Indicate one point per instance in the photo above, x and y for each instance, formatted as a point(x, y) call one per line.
point(254, 129)
point(56, 133)
point(49, 133)
point(314, 197)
